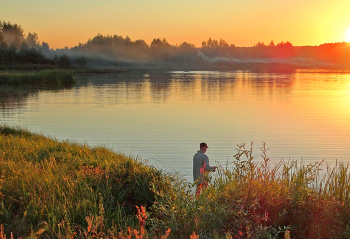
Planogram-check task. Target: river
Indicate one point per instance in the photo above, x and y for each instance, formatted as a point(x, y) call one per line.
point(162, 117)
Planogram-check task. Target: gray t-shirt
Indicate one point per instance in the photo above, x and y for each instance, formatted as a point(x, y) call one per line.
point(198, 161)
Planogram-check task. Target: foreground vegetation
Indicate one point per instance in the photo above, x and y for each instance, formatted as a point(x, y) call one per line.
point(59, 189)
point(53, 77)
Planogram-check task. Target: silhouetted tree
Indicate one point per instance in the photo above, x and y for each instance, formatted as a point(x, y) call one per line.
point(128, 41)
point(45, 48)
point(12, 33)
point(272, 43)
point(17, 43)
point(285, 49)
point(30, 55)
point(3, 48)
point(156, 43)
point(64, 61)
point(160, 48)
point(140, 43)
point(3, 57)
point(209, 42)
point(11, 54)
point(82, 62)
point(160, 43)
point(223, 43)
point(214, 43)
point(32, 40)
point(24, 47)
point(3, 44)
point(259, 44)
point(285, 44)
point(15, 49)
point(186, 46)
point(165, 43)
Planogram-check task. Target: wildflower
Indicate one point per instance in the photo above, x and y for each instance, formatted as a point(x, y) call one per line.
point(287, 235)
point(194, 236)
point(141, 215)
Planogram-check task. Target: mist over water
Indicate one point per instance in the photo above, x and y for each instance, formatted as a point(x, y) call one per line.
point(114, 52)
point(162, 116)
point(295, 61)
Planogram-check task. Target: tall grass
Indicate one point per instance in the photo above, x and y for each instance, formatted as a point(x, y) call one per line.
point(66, 190)
point(26, 67)
point(43, 77)
point(257, 199)
point(44, 181)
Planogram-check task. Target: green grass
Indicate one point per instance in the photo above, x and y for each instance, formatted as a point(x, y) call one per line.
point(26, 67)
point(256, 199)
point(60, 189)
point(44, 180)
point(44, 77)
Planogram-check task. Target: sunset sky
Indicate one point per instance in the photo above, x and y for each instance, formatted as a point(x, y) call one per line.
point(241, 22)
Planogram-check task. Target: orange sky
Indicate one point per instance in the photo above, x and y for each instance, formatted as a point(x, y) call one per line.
point(241, 22)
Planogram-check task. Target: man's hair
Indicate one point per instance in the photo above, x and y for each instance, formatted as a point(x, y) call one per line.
point(203, 145)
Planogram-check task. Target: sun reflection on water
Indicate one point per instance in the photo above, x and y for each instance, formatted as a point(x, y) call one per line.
point(162, 117)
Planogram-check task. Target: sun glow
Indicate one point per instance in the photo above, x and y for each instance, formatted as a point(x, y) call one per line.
point(347, 35)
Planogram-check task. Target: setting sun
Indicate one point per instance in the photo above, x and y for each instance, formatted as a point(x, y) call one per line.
point(347, 35)
point(242, 23)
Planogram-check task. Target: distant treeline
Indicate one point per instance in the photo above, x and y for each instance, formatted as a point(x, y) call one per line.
point(26, 53)
point(16, 49)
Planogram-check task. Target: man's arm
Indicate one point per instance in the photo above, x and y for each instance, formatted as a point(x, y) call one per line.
point(207, 166)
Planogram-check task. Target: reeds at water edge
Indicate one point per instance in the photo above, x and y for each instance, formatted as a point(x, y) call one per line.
point(48, 77)
point(60, 189)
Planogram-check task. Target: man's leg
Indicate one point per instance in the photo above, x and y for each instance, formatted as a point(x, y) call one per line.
point(204, 185)
point(198, 189)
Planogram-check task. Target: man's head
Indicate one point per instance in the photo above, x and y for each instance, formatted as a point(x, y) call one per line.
point(203, 147)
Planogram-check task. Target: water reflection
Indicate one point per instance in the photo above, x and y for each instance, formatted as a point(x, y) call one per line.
point(12, 98)
point(273, 85)
point(162, 116)
point(15, 97)
point(160, 86)
point(213, 86)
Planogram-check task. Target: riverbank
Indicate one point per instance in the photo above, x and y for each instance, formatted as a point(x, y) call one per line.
point(47, 186)
point(59, 189)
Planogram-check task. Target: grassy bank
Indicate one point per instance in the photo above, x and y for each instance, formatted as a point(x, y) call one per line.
point(51, 185)
point(59, 189)
point(44, 77)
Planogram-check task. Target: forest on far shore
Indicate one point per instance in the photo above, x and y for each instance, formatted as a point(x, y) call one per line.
point(20, 51)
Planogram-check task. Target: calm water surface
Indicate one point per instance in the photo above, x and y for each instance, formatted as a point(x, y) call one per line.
point(163, 116)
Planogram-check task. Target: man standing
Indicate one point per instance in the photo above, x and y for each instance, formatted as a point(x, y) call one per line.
point(201, 167)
